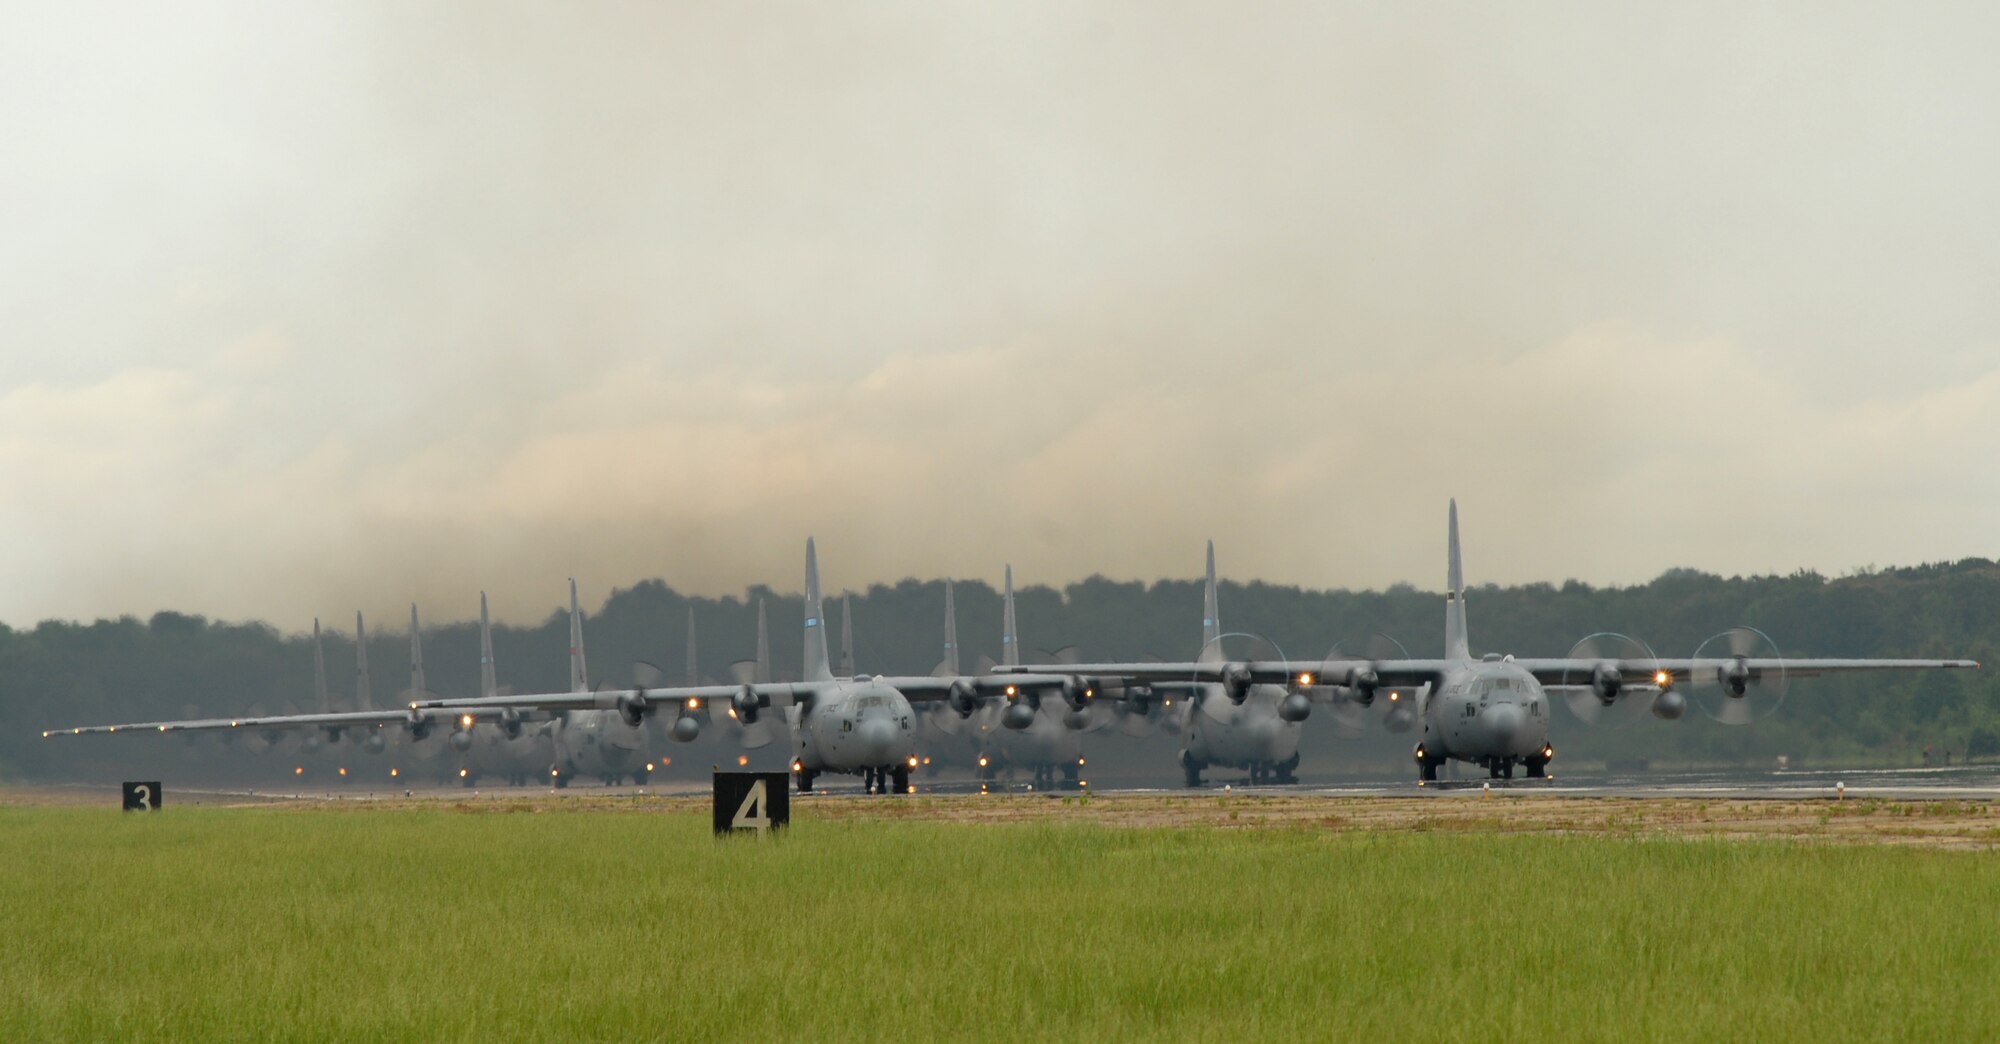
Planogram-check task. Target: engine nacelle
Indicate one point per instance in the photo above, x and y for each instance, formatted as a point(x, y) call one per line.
point(1736, 678)
point(510, 722)
point(1606, 681)
point(1670, 706)
point(461, 740)
point(419, 725)
point(1077, 692)
point(746, 703)
point(312, 743)
point(1295, 708)
point(1363, 682)
point(1020, 714)
point(1235, 680)
point(632, 709)
point(376, 743)
point(962, 698)
point(686, 728)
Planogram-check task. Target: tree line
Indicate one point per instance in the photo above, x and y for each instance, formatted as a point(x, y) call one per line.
point(172, 665)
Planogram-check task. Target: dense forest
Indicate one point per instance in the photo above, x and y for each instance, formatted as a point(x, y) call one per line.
point(172, 665)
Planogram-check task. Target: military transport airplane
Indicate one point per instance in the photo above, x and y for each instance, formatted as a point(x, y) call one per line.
point(1493, 711)
point(862, 724)
point(415, 726)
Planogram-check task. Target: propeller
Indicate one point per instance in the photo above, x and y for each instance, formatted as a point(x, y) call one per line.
point(1362, 685)
point(756, 729)
point(1723, 684)
point(1598, 695)
point(1219, 700)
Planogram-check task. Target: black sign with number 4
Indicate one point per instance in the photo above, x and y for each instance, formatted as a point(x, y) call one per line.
point(759, 801)
point(142, 797)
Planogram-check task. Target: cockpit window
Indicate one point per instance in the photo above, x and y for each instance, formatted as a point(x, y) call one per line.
point(1503, 685)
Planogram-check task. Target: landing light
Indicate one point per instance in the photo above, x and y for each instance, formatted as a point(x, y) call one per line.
point(913, 761)
point(45, 734)
point(555, 772)
point(927, 761)
point(300, 771)
point(163, 728)
point(1088, 693)
point(742, 760)
point(1662, 678)
point(1306, 678)
point(1548, 752)
point(694, 703)
point(797, 766)
point(732, 713)
point(1079, 761)
point(1394, 696)
point(343, 770)
point(664, 762)
point(393, 773)
point(461, 773)
point(465, 721)
point(982, 761)
point(1011, 690)
point(649, 766)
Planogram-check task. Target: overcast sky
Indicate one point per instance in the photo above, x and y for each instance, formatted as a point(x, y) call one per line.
point(314, 307)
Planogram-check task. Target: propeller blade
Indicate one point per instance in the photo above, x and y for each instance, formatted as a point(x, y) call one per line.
point(1235, 647)
point(1068, 655)
point(984, 664)
point(1631, 702)
point(760, 733)
point(646, 675)
point(743, 672)
point(1714, 685)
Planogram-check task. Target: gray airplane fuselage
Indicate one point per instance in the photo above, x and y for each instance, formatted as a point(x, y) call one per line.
point(1047, 742)
point(1487, 712)
point(598, 744)
point(1254, 734)
point(854, 725)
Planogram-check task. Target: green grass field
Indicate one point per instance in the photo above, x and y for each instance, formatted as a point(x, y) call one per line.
point(439, 924)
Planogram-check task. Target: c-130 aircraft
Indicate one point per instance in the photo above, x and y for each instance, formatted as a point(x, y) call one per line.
point(1493, 711)
point(862, 725)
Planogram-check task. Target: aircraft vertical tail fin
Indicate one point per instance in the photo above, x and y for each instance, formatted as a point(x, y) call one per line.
point(817, 665)
point(1010, 639)
point(950, 661)
point(417, 683)
point(1211, 615)
point(763, 644)
point(1456, 644)
point(322, 702)
point(579, 675)
point(489, 684)
point(364, 695)
point(693, 667)
point(846, 636)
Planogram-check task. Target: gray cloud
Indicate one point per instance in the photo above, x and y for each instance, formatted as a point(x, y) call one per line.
point(377, 303)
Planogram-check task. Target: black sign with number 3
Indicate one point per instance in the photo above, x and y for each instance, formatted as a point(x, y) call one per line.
point(142, 797)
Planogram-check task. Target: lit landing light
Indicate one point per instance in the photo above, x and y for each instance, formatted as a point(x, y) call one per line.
point(927, 761)
point(649, 766)
point(45, 734)
point(1082, 782)
point(982, 788)
point(1662, 679)
point(461, 773)
point(742, 760)
point(1548, 752)
point(343, 771)
point(393, 773)
point(113, 728)
point(1079, 762)
point(797, 766)
point(163, 728)
point(1012, 690)
point(982, 761)
point(732, 714)
point(694, 703)
point(553, 773)
point(1306, 678)
point(664, 762)
point(465, 721)
point(913, 761)
point(300, 771)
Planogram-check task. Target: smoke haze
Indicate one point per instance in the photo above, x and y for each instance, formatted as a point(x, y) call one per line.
point(311, 309)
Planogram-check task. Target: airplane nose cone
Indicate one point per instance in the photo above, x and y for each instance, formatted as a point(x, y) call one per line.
point(1505, 724)
point(874, 740)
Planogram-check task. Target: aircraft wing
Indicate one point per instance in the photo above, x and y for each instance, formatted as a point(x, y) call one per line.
point(1302, 673)
point(775, 693)
point(346, 719)
point(930, 688)
point(1577, 673)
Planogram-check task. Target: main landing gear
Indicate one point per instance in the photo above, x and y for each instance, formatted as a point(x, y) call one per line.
point(1427, 765)
point(1193, 769)
point(880, 780)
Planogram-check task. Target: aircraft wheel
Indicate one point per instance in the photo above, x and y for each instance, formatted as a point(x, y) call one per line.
point(1288, 769)
point(562, 782)
point(469, 780)
point(639, 778)
point(1507, 770)
point(901, 778)
point(1538, 769)
point(806, 781)
point(1428, 772)
point(1193, 770)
